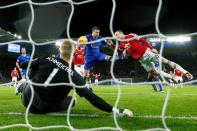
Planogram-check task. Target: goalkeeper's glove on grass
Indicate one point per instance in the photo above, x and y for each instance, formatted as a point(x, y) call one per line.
point(122, 112)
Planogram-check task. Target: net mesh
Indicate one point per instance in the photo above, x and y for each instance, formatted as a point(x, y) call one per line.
point(114, 79)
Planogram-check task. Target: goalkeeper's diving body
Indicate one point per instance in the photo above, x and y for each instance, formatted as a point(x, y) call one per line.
point(55, 98)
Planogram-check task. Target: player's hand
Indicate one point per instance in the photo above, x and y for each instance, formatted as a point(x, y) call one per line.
point(123, 112)
point(110, 42)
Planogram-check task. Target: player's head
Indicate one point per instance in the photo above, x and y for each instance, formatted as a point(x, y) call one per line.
point(53, 55)
point(23, 50)
point(78, 46)
point(66, 49)
point(119, 34)
point(95, 31)
point(14, 68)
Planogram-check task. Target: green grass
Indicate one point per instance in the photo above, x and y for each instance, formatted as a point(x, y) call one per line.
point(140, 99)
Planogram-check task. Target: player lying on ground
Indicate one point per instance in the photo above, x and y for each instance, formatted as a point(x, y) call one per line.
point(54, 98)
point(142, 51)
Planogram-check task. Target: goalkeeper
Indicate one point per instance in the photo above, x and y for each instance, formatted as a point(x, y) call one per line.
point(55, 98)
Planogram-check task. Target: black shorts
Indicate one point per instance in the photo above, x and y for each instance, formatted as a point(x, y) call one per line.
point(38, 106)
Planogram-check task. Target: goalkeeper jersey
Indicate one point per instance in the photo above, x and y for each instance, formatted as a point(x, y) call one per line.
point(52, 70)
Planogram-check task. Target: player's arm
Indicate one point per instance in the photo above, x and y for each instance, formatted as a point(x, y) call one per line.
point(89, 95)
point(112, 46)
point(147, 44)
point(34, 64)
point(95, 100)
point(101, 104)
point(17, 65)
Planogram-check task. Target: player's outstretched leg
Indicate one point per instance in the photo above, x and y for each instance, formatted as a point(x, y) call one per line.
point(174, 65)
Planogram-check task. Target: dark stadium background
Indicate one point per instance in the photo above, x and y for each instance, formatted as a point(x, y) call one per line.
point(177, 17)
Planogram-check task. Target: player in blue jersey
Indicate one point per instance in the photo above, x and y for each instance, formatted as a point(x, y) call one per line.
point(92, 51)
point(23, 57)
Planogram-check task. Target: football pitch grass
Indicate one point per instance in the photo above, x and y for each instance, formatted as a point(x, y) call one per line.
point(181, 112)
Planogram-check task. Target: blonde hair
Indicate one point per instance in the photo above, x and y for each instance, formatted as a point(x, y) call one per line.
point(66, 49)
point(119, 31)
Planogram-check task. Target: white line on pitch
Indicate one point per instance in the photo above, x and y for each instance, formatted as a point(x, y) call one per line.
point(124, 93)
point(99, 115)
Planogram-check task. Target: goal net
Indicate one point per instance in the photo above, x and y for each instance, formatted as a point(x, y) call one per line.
point(67, 9)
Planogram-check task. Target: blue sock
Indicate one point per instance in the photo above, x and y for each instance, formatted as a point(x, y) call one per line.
point(154, 87)
point(116, 58)
point(160, 85)
point(121, 57)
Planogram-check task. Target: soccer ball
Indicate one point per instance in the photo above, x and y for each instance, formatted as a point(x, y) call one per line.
point(82, 39)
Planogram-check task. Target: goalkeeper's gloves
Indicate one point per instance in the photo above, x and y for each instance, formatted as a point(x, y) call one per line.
point(122, 112)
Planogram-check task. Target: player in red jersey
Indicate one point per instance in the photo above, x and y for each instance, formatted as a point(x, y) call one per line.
point(96, 78)
point(178, 75)
point(14, 75)
point(141, 50)
point(79, 60)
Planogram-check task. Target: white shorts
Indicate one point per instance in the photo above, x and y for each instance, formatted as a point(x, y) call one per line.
point(14, 79)
point(179, 79)
point(148, 60)
point(79, 69)
point(96, 81)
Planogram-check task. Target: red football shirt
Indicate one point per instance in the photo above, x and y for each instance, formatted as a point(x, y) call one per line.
point(14, 73)
point(136, 48)
point(79, 57)
point(178, 73)
point(96, 77)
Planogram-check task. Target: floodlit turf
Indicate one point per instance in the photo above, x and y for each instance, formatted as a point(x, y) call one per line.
point(146, 105)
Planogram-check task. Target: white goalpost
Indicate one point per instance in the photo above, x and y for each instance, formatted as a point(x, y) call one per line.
point(114, 80)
